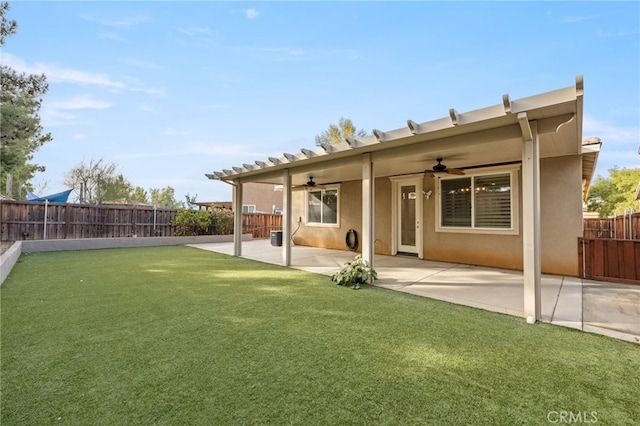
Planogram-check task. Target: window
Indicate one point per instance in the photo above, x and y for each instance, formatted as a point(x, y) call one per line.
point(493, 201)
point(483, 202)
point(456, 202)
point(248, 208)
point(322, 207)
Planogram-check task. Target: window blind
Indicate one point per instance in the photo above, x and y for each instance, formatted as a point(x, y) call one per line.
point(482, 201)
point(456, 202)
point(492, 201)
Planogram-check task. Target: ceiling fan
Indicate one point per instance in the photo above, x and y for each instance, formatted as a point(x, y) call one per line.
point(311, 184)
point(441, 169)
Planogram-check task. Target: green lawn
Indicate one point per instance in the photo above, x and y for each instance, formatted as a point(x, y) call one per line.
point(181, 336)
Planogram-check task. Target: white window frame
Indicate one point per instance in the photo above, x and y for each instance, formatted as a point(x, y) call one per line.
point(250, 208)
point(306, 206)
point(513, 170)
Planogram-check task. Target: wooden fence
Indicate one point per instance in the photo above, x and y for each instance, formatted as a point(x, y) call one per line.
point(623, 227)
point(260, 225)
point(20, 220)
point(610, 260)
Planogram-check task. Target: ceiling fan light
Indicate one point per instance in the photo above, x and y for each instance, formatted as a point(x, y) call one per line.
point(439, 167)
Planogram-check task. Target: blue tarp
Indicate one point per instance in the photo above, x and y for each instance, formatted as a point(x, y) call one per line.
point(60, 197)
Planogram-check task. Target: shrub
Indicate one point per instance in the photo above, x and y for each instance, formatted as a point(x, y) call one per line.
point(222, 221)
point(203, 222)
point(354, 273)
point(192, 222)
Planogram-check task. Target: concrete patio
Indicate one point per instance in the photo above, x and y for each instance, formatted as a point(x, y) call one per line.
point(610, 309)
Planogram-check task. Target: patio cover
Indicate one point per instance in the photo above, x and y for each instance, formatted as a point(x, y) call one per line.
point(523, 130)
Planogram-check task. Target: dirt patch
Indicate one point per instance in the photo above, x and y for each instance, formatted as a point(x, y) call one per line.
point(5, 245)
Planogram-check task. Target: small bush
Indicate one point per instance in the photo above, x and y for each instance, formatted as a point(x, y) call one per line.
point(354, 273)
point(192, 222)
point(203, 222)
point(222, 221)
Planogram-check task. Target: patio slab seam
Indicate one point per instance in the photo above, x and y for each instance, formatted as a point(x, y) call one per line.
point(555, 305)
point(422, 280)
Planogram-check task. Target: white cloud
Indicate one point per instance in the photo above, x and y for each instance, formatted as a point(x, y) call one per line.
point(251, 13)
point(153, 91)
point(619, 144)
point(80, 102)
point(610, 134)
point(58, 74)
point(619, 33)
point(52, 118)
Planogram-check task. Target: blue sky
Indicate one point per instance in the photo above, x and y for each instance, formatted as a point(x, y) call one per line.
point(173, 90)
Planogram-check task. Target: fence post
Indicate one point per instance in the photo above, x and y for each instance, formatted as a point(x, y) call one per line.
point(46, 212)
point(581, 257)
point(134, 220)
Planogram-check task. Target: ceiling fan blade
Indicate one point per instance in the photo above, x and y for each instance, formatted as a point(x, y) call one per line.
point(307, 187)
point(455, 171)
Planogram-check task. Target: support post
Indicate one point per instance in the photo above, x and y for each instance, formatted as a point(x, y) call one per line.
point(531, 238)
point(237, 219)
point(286, 219)
point(368, 184)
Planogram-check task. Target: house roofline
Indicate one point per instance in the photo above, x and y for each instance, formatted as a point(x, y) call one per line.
point(542, 107)
point(590, 151)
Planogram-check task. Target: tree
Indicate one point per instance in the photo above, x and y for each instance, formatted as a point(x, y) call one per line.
point(92, 178)
point(139, 194)
point(337, 134)
point(100, 182)
point(21, 133)
point(164, 197)
point(615, 194)
point(115, 188)
point(190, 202)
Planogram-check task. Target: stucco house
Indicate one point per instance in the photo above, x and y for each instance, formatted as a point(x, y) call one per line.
point(261, 198)
point(501, 186)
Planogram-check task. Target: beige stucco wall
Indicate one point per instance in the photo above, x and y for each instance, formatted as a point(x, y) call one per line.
point(561, 222)
point(561, 213)
point(500, 251)
point(350, 218)
point(263, 196)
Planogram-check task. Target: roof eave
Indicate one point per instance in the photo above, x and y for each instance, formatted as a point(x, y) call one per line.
point(538, 107)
